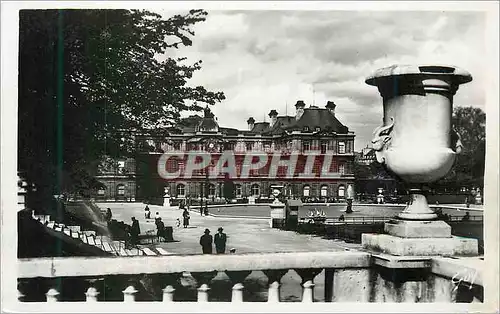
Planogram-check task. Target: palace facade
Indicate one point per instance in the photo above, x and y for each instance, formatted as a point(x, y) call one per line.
point(311, 131)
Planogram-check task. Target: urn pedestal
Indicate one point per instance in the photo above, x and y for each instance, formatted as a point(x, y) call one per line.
point(418, 144)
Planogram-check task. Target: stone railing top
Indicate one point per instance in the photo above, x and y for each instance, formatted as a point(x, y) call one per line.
point(466, 269)
point(100, 266)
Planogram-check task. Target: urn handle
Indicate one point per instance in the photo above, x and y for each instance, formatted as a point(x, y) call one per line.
point(381, 140)
point(456, 141)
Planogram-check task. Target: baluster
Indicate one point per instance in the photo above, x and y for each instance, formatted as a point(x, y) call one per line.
point(21, 290)
point(274, 280)
point(91, 294)
point(52, 295)
point(203, 279)
point(129, 294)
point(237, 277)
point(171, 280)
point(203, 293)
point(307, 276)
point(168, 294)
point(20, 296)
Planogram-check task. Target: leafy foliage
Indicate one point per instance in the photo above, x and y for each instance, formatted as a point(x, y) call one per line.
point(468, 171)
point(88, 77)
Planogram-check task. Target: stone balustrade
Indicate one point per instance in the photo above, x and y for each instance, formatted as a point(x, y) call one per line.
point(349, 276)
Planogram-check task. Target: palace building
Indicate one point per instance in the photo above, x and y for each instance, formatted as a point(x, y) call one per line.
point(314, 138)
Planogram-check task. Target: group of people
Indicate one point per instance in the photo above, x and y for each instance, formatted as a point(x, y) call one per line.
point(220, 239)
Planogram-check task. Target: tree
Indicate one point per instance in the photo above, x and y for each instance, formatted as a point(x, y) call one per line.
point(89, 77)
point(228, 189)
point(468, 170)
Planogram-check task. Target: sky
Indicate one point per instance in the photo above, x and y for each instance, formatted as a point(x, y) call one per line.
point(265, 60)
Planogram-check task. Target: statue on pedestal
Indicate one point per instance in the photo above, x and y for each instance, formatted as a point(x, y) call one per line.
point(166, 197)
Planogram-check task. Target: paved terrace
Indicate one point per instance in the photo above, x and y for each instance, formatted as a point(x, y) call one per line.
point(244, 234)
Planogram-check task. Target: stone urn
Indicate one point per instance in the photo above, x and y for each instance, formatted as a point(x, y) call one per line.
point(417, 143)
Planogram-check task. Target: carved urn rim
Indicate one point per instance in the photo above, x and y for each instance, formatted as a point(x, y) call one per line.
point(459, 75)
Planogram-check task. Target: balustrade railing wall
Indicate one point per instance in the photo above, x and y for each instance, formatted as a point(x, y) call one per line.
point(347, 277)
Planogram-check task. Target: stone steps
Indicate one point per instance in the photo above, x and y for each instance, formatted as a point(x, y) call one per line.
point(162, 251)
point(90, 237)
point(149, 252)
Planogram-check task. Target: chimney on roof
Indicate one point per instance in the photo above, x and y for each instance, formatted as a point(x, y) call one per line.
point(251, 122)
point(273, 114)
point(299, 106)
point(330, 105)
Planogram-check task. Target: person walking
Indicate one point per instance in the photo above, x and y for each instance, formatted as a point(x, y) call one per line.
point(185, 216)
point(135, 230)
point(220, 240)
point(206, 241)
point(147, 212)
point(160, 227)
point(157, 216)
point(109, 214)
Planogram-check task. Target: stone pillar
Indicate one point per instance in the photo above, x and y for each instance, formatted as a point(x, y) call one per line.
point(351, 285)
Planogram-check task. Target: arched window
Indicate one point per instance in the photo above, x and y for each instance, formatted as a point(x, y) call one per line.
point(101, 191)
point(255, 190)
point(181, 190)
point(211, 190)
point(306, 191)
point(120, 190)
point(341, 191)
point(324, 191)
point(237, 190)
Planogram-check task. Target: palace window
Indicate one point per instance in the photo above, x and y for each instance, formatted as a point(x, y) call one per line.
point(341, 191)
point(306, 145)
point(255, 190)
point(177, 145)
point(211, 190)
point(324, 146)
point(341, 147)
point(237, 190)
point(120, 189)
point(181, 190)
point(101, 191)
point(267, 146)
point(306, 191)
point(249, 146)
point(324, 191)
point(341, 168)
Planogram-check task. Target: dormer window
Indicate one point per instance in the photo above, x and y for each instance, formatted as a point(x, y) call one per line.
point(341, 147)
point(318, 129)
point(306, 129)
